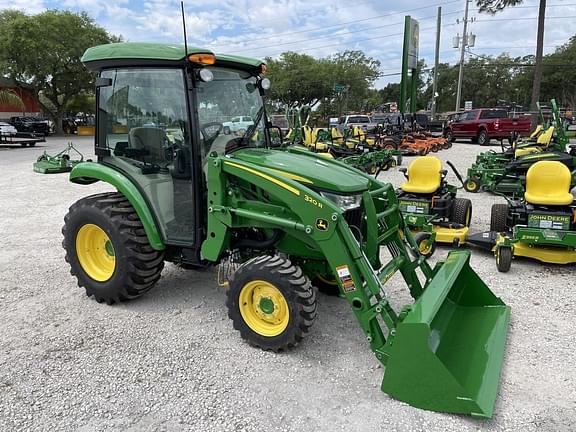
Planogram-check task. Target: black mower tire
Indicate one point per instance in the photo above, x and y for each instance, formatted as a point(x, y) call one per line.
point(419, 238)
point(137, 266)
point(296, 290)
point(504, 259)
point(471, 185)
point(499, 218)
point(483, 137)
point(462, 211)
point(449, 136)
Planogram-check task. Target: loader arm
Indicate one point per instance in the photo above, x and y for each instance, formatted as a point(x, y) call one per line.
point(306, 214)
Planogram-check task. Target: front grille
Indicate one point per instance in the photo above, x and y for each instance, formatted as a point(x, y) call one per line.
point(354, 217)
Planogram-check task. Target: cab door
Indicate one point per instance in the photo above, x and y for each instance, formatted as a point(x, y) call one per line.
point(143, 125)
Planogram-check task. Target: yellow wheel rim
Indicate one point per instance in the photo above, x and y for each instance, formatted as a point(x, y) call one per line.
point(326, 280)
point(95, 252)
point(264, 308)
point(424, 247)
point(471, 185)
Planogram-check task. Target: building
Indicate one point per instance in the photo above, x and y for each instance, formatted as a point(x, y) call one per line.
point(26, 94)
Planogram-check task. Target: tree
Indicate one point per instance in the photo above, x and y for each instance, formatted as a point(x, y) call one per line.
point(494, 6)
point(44, 52)
point(10, 98)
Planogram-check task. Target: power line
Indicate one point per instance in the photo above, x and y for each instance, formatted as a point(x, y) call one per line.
point(337, 34)
point(347, 22)
point(525, 19)
point(358, 40)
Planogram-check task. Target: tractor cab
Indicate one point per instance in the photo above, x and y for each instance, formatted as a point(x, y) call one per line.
point(427, 198)
point(161, 113)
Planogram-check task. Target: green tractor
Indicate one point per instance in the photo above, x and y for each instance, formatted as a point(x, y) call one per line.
point(278, 218)
point(430, 206)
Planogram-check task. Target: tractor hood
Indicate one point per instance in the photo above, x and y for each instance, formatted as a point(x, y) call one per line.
point(315, 172)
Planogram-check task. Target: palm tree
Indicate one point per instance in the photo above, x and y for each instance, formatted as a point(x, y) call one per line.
point(10, 98)
point(494, 6)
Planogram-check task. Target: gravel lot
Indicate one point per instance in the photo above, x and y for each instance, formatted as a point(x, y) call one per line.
point(172, 361)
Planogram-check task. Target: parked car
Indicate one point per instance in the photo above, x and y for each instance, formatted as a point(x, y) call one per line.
point(30, 125)
point(353, 120)
point(482, 125)
point(237, 123)
point(7, 129)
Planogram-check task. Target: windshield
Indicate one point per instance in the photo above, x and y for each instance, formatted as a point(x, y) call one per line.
point(230, 111)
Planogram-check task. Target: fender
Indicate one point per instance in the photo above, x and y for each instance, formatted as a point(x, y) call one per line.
point(90, 172)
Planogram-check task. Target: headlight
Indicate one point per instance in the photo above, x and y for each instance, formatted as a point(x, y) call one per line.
point(345, 202)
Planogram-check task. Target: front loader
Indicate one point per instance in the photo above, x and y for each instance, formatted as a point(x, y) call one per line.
point(275, 218)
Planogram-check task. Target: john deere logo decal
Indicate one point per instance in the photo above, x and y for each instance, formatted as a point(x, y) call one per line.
point(322, 224)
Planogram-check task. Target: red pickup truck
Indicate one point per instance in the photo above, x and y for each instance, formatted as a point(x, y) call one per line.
point(481, 125)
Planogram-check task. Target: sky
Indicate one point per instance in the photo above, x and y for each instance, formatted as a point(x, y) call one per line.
point(261, 28)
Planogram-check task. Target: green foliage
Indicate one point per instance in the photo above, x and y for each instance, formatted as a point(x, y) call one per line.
point(494, 6)
point(44, 51)
point(301, 80)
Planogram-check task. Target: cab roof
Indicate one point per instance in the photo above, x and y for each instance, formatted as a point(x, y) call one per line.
point(144, 53)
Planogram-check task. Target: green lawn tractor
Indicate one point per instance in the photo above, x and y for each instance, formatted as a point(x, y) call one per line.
point(430, 207)
point(541, 226)
point(276, 218)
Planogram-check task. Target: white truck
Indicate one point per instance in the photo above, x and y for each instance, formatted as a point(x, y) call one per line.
point(236, 124)
point(350, 121)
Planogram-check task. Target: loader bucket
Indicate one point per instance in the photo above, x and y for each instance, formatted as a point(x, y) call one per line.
point(448, 350)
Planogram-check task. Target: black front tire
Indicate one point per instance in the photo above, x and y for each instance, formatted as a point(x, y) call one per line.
point(449, 136)
point(504, 259)
point(295, 289)
point(499, 218)
point(462, 211)
point(471, 185)
point(137, 267)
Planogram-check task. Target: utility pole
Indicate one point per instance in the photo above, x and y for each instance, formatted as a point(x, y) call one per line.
point(436, 61)
point(462, 48)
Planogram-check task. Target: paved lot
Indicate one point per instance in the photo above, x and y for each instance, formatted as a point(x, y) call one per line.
point(172, 361)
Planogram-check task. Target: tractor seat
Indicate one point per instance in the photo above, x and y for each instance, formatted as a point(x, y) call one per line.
point(543, 140)
point(548, 183)
point(424, 175)
point(150, 139)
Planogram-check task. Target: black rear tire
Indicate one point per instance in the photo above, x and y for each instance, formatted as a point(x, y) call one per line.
point(499, 218)
point(449, 136)
point(503, 259)
point(462, 211)
point(137, 267)
point(294, 288)
point(483, 138)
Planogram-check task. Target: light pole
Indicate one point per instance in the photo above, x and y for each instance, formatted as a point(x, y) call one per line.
point(466, 40)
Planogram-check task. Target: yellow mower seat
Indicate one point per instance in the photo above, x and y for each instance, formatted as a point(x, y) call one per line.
point(423, 175)
point(548, 183)
point(311, 138)
point(543, 141)
point(536, 131)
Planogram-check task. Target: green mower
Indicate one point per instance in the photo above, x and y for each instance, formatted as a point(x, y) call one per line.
point(541, 226)
point(505, 172)
point(278, 218)
point(430, 207)
point(59, 163)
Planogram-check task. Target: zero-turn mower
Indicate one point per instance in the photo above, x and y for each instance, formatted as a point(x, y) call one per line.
point(541, 225)
point(505, 172)
point(426, 199)
point(276, 218)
